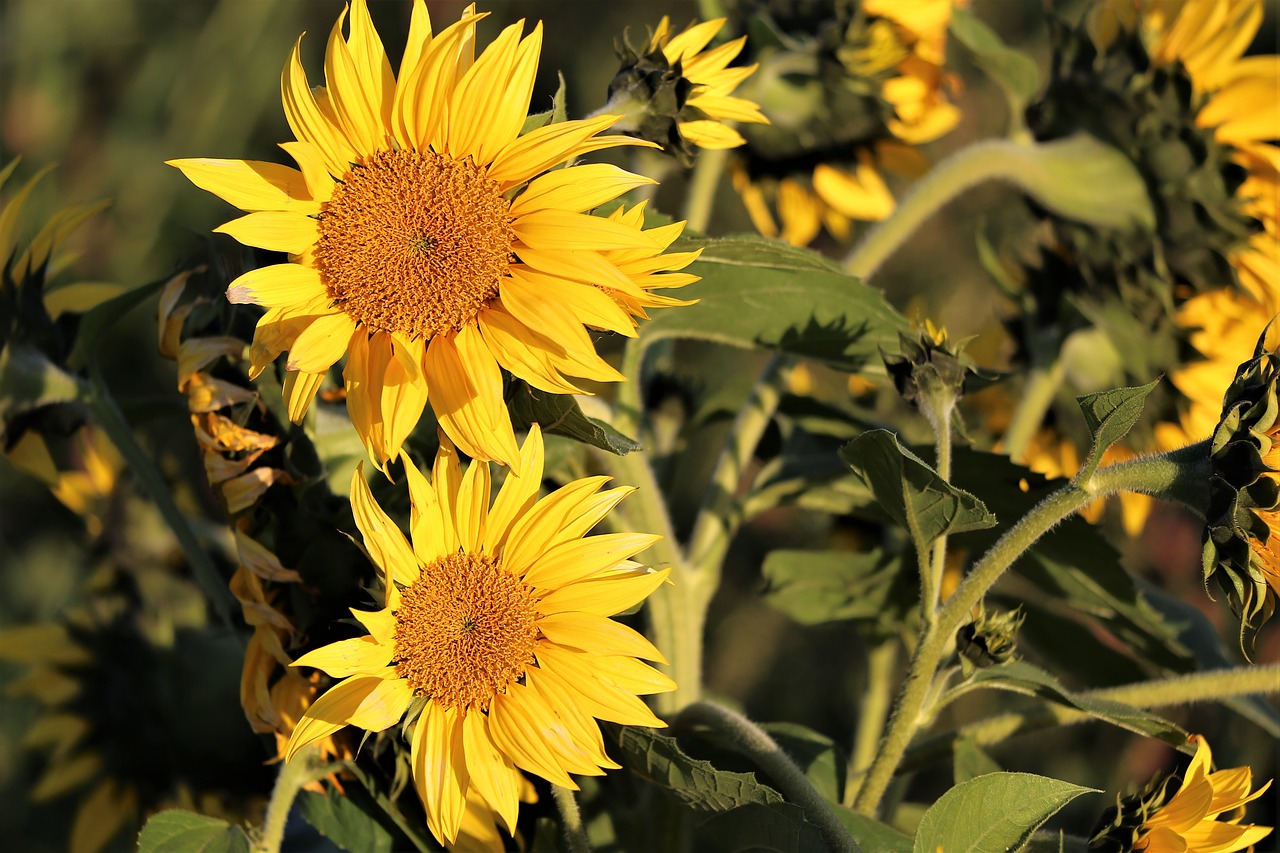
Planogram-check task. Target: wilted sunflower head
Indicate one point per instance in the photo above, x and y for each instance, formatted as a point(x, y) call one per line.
point(432, 241)
point(849, 88)
point(1242, 533)
point(1197, 811)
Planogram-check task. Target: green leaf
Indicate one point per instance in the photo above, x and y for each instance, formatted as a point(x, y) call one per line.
point(1015, 72)
point(556, 114)
point(1029, 680)
point(1064, 175)
point(758, 828)
point(995, 813)
point(970, 762)
point(813, 587)
point(176, 831)
point(695, 783)
point(758, 293)
point(560, 414)
point(547, 837)
point(344, 823)
point(872, 835)
point(910, 491)
point(100, 319)
point(1110, 415)
point(815, 754)
point(29, 381)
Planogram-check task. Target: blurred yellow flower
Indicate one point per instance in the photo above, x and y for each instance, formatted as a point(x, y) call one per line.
point(495, 636)
point(431, 241)
point(1189, 821)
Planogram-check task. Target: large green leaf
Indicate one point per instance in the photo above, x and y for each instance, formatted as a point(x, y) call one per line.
point(176, 831)
point(344, 823)
point(1012, 70)
point(815, 754)
point(872, 835)
point(694, 782)
point(560, 414)
point(910, 491)
point(995, 813)
point(759, 828)
point(1110, 415)
point(813, 587)
point(762, 293)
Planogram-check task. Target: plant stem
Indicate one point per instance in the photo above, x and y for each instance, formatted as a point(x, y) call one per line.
point(1180, 475)
point(874, 710)
point(629, 403)
point(1037, 396)
point(703, 183)
point(305, 767)
point(575, 834)
point(938, 407)
point(754, 742)
point(108, 415)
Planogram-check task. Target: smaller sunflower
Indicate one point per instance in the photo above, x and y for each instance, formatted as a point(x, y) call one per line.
point(851, 90)
point(1202, 816)
point(494, 639)
point(678, 94)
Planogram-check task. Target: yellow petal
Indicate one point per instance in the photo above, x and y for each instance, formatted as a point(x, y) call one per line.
point(571, 678)
point(67, 775)
point(589, 305)
point(536, 530)
point(479, 122)
point(250, 184)
point(581, 726)
point(538, 150)
point(534, 738)
point(314, 171)
point(383, 539)
point(385, 400)
point(561, 230)
point(522, 351)
point(431, 526)
point(439, 769)
point(277, 231)
point(466, 394)
point(598, 635)
point(472, 509)
point(108, 808)
point(322, 343)
point(493, 775)
point(581, 558)
point(361, 697)
point(299, 390)
point(308, 122)
point(577, 188)
point(605, 595)
point(277, 285)
point(519, 491)
point(358, 656)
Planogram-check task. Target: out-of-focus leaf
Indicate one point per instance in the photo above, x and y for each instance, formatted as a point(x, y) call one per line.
point(560, 414)
point(1110, 415)
point(96, 322)
point(176, 831)
point(694, 782)
point(970, 762)
point(815, 754)
point(29, 381)
point(813, 587)
point(547, 836)
point(344, 823)
point(995, 813)
point(758, 293)
point(759, 828)
point(1064, 174)
point(1012, 70)
point(913, 494)
point(1029, 680)
point(871, 834)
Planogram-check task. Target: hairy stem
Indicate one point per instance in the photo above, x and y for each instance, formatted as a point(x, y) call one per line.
point(575, 834)
point(755, 743)
point(305, 767)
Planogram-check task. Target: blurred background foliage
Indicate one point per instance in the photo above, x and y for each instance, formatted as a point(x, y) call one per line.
point(109, 89)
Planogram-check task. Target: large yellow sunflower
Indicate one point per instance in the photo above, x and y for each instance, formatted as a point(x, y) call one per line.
point(431, 241)
point(495, 635)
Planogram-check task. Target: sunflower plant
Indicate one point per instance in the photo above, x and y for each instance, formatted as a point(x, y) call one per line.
point(566, 447)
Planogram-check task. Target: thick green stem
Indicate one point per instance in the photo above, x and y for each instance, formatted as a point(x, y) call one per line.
point(755, 743)
point(629, 404)
point(700, 197)
point(1037, 396)
point(108, 416)
point(1179, 475)
point(1210, 686)
point(575, 834)
point(305, 767)
point(872, 712)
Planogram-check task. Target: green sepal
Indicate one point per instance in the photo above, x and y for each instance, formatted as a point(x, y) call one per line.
point(560, 414)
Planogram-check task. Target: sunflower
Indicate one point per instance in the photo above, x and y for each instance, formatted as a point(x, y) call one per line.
point(860, 85)
point(495, 637)
point(432, 240)
point(1188, 821)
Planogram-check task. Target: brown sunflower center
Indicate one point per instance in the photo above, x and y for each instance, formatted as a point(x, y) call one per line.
point(414, 242)
point(464, 631)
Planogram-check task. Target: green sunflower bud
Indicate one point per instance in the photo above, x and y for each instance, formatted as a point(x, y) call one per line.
point(1121, 825)
point(1242, 531)
point(989, 640)
point(652, 94)
point(929, 365)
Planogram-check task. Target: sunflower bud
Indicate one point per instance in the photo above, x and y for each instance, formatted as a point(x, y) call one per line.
point(1242, 533)
point(928, 365)
point(989, 640)
point(1121, 825)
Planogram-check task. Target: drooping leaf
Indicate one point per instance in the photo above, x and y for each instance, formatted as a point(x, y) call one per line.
point(344, 823)
point(813, 587)
point(177, 831)
point(911, 492)
point(1027, 679)
point(1012, 70)
point(560, 414)
point(1064, 174)
point(871, 834)
point(694, 782)
point(815, 754)
point(995, 813)
point(1110, 415)
point(758, 293)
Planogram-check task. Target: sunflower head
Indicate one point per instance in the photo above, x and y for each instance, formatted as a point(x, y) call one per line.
point(677, 93)
point(1199, 810)
point(494, 644)
point(929, 364)
point(1242, 542)
point(431, 238)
